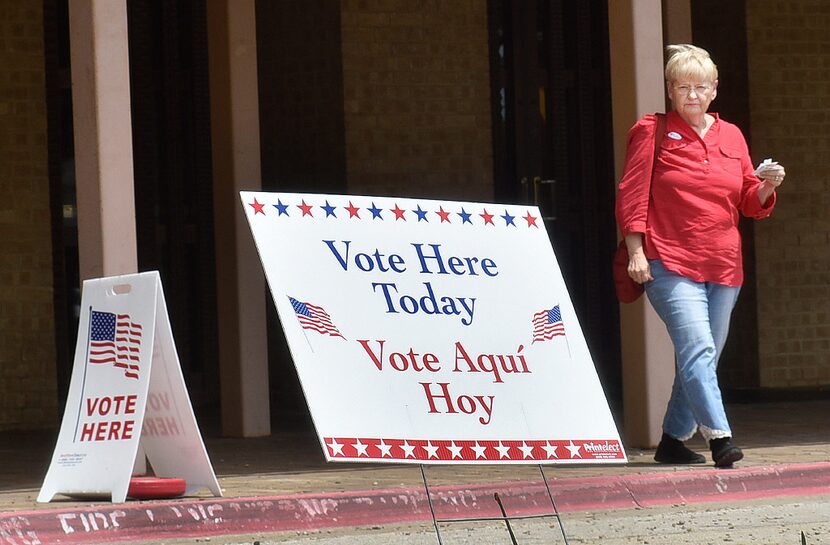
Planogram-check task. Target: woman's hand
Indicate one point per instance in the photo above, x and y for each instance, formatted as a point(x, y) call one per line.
point(771, 178)
point(638, 267)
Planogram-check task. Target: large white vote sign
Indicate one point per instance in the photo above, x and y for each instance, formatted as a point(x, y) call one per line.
point(126, 391)
point(431, 331)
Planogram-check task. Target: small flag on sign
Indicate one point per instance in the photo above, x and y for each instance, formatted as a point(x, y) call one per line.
point(314, 318)
point(115, 339)
point(547, 324)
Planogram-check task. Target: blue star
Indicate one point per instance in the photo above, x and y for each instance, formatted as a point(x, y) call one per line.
point(375, 211)
point(508, 219)
point(329, 209)
point(282, 208)
point(465, 217)
point(422, 214)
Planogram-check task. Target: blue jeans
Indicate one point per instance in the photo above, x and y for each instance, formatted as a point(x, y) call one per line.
point(696, 315)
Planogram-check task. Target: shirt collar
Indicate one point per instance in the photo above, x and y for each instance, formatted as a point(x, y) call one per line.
point(676, 125)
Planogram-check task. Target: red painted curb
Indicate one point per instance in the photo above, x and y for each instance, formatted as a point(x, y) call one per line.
point(213, 517)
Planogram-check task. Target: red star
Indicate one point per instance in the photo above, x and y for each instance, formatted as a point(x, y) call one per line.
point(257, 207)
point(398, 213)
point(531, 220)
point(445, 216)
point(306, 208)
point(488, 218)
point(353, 210)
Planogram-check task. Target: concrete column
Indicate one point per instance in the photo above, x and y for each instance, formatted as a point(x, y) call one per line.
point(636, 40)
point(234, 110)
point(103, 137)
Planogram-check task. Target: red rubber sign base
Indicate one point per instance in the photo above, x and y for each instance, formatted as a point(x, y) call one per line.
point(152, 488)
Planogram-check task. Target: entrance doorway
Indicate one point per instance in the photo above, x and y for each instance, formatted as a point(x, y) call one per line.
point(553, 147)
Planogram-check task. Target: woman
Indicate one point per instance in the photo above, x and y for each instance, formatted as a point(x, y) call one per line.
point(683, 242)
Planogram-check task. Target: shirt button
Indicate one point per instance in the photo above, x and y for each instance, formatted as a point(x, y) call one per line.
point(706, 160)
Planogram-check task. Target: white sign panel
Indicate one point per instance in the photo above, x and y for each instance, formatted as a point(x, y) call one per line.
point(431, 331)
point(126, 388)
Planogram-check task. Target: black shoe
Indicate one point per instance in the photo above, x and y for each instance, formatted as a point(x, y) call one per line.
point(724, 452)
point(673, 451)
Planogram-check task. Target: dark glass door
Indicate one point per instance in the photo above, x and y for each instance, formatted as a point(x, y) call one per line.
point(553, 147)
point(725, 38)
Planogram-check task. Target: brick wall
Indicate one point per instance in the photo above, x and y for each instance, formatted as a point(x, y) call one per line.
point(789, 76)
point(417, 98)
point(28, 398)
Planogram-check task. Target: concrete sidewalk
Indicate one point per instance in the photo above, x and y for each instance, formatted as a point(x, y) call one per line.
point(281, 483)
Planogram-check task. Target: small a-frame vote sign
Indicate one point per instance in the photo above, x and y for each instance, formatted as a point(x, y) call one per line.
point(126, 389)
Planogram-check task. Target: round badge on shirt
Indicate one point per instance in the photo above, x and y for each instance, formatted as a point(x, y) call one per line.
point(674, 136)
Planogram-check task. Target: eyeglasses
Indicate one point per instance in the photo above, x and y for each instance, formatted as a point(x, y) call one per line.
point(687, 89)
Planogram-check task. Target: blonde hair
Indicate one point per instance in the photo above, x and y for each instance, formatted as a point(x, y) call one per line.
point(689, 61)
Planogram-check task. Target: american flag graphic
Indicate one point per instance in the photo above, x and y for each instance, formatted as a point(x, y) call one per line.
point(115, 339)
point(314, 318)
point(547, 324)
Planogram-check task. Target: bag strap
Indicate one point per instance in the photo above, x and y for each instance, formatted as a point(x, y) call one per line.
point(659, 132)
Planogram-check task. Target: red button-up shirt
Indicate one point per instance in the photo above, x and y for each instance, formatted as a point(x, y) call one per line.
point(699, 187)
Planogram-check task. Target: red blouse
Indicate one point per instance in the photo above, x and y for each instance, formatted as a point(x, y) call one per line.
point(699, 187)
